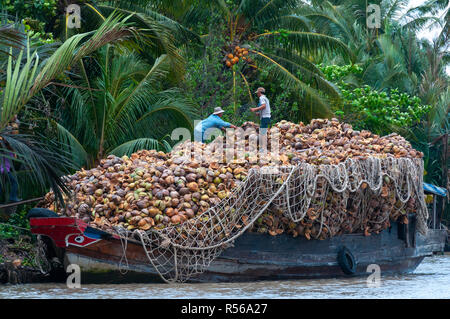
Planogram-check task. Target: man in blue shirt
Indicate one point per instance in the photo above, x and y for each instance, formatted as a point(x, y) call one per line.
point(212, 121)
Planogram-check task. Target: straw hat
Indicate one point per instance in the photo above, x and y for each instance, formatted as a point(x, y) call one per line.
point(261, 89)
point(218, 110)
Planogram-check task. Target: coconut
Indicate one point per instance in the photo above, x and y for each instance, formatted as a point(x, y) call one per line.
point(176, 219)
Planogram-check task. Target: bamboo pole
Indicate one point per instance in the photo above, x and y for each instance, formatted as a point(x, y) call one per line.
point(21, 202)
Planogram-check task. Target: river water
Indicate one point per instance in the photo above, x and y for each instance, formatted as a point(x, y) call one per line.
point(430, 280)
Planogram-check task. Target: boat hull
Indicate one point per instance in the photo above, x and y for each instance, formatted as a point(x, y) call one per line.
point(399, 249)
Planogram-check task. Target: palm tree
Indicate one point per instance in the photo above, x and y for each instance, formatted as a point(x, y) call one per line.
point(26, 77)
point(434, 79)
point(433, 128)
point(276, 39)
point(440, 8)
point(284, 43)
point(107, 107)
point(121, 107)
point(159, 34)
point(391, 56)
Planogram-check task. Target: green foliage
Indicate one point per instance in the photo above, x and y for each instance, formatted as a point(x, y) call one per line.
point(127, 97)
point(380, 112)
point(370, 109)
point(35, 31)
point(279, 43)
point(17, 239)
point(17, 219)
point(336, 73)
point(424, 138)
point(27, 76)
point(42, 10)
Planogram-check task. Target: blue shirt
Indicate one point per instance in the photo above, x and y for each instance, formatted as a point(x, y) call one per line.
point(212, 121)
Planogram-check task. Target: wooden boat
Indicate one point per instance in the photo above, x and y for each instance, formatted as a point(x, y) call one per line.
point(101, 255)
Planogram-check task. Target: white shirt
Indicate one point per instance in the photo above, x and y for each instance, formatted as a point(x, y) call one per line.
point(265, 112)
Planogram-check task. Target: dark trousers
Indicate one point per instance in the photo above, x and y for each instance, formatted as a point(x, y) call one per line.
point(265, 122)
point(14, 187)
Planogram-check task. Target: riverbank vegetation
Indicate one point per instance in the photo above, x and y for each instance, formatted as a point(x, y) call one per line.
point(135, 70)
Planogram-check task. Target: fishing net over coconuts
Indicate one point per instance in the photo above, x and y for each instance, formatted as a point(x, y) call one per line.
point(324, 179)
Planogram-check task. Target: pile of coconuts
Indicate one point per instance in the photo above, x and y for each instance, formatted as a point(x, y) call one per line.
point(331, 142)
point(151, 189)
point(145, 190)
point(332, 215)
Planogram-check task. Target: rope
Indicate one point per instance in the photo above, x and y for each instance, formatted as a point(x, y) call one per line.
point(40, 257)
point(124, 244)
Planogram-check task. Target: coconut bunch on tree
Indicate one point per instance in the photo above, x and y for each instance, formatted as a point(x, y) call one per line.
point(268, 35)
point(236, 55)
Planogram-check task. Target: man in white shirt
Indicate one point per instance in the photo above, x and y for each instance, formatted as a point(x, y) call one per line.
point(264, 113)
point(263, 108)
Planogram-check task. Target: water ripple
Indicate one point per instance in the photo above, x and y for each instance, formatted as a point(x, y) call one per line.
point(430, 280)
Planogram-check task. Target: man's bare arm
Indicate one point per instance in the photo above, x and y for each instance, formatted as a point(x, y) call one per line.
point(256, 109)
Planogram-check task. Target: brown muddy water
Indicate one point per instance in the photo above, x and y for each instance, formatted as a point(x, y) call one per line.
point(430, 280)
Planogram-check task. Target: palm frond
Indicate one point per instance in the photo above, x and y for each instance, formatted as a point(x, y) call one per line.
point(429, 7)
point(19, 81)
point(262, 10)
point(114, 28)
point(314, 79)
point(70, 144)
point(311, 98)
point(170, 108)
point(138, 96)
point(292, 22)
point(180, 32)
point(420, 23)
point(394, 8)
point(42, 159)
point(10, 37)
point(313, 43)
point(223, 7)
